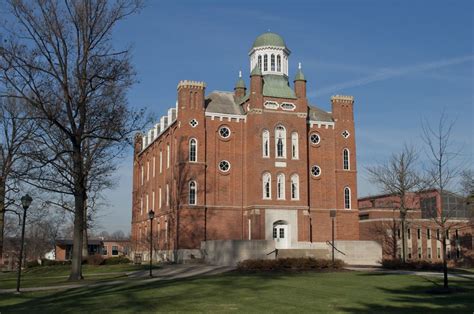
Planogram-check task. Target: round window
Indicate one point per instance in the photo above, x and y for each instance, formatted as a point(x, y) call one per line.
point(315, 138)
point(224, 165)
point(315, 171)
point(224, 132)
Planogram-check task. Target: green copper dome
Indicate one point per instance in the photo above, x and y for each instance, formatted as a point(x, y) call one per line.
point(240, 83)
point(269, 39)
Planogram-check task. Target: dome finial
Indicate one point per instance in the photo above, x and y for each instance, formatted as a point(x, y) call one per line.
point(240, 74)
point(299, 65)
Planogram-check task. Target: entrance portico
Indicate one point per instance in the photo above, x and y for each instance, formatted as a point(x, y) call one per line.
point(281, 226)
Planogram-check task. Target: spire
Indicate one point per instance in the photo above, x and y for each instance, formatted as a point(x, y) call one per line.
point(256, 71)
point(299, 75)
point(240, 82)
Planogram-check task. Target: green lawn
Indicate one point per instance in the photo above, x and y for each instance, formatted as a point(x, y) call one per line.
point(352, 292)
point(58, 275)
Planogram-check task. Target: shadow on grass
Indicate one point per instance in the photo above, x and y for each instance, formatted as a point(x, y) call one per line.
point(426, 297)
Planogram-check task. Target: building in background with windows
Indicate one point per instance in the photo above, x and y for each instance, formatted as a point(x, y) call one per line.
point(253, 164)
point(379, 219)
point(103, 247)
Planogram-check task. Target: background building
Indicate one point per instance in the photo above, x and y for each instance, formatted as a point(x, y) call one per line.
point(257, 164)
point(380, 221)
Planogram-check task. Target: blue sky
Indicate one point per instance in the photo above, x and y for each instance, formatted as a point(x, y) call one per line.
point(401, 60)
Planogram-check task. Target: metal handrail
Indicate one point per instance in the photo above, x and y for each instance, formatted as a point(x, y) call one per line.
point(274, 251)
point(330, 244)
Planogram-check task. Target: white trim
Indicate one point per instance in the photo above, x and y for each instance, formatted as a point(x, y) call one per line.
point(266, 141)
point(229, 117)
point(195, 149)
point(195, 192)
point(350, 198)
point(281, 192)
point(321, 123)
point(348, 159)
point(264, 194)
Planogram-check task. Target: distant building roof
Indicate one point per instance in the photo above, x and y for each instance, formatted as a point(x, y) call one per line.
point(317, 114)
point(222, 102)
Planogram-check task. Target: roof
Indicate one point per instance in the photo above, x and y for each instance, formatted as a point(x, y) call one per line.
point(277, 86)
point(256, 71)
point(269, 39)
point(222, 102)
point(70, 242)
point(317, 114)
point(299, 76)
point(240, 83)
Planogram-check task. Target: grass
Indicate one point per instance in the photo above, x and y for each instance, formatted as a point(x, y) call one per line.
point(58, 275)
point(340, 292)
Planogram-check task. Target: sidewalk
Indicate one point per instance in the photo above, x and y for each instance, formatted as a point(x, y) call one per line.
point(409, 272)
point(167, 272)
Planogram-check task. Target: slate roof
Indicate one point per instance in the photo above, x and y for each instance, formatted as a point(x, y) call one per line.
point(319, 115)
point(222, 102)
point(277, 86)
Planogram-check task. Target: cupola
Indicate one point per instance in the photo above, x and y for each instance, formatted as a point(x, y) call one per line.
point(270, 53)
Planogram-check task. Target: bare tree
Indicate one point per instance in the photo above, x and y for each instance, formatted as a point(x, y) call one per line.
point(398, 177)
point(60, 61)
point(442, 170)
point(15, 132)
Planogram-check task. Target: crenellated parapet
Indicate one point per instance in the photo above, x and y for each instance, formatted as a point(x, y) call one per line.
point(191, 84)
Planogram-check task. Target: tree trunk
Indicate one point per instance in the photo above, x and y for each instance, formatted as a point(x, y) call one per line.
point(79, 203)
point(2, 220)
point(85, 241)
point(445, 262)
point(403, 240)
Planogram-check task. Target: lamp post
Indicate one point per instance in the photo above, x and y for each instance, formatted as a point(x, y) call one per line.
point(151, 215)
point(25, 203)
point(332, 213)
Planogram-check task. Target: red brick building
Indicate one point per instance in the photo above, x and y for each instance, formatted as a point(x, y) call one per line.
point(380, 221)
point(256, 163)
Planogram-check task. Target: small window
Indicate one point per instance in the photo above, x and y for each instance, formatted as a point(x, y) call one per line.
point(345, 134)
point(272, 62)
point(280, 141)
point(266, 143)
point(315, 171)
point(265, 62)
point(345, 158)
point(278, 63)
point(288, 106)
point(224, 166)
point(437, 234)
point(439, 253)
point(193, 123)
point(260, 62)
point(399, 233)
point(192, 193)
point(419, 252)
point(115, 250)
point(281, 186)
point(224, 132)
point(408, 233)
point(266, 188)
point(428, 234)
point(104, 250)
point(315, 138)
point(271, 105)
point(295, 191)
point(193, 150)
point(275, 233)
point(294, 146)
point(347, 198)
point(418, 234)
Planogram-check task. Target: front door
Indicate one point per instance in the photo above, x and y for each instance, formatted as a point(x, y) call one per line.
point(280, 236)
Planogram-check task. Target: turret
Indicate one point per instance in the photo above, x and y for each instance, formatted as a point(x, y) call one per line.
point(300, 83)
point(239, 89)
point(342, 108)
point(256, 81)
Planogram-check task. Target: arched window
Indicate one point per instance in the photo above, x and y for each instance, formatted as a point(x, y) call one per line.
point(280, 141)
point(281, 186)
point(345, 158)
point(260, 62)
point(265, 62)
point(193, 149)
point(192, 193)
point(267, 186)
point(347, 198)
point(272, 62)
point(266, 143)
point(278, 63)
point(295, 187)
point(294, 146)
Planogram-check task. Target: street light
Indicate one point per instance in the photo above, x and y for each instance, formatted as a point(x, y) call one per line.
point(25, 203)
point(332, 214)
point(151, 215)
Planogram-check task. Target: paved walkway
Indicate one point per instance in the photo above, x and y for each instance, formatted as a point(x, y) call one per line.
point(166, 272)
point(410, 272)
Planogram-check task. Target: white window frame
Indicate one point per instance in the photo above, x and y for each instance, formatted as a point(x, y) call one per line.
point(294, 146)
point(148, 170)
point(266, 143)
point(192, 189)
point(346, 159)
point(347, 206)
point(154, 166)
point(193, 143)
point(278, 63)
point(295, 187)
point(159, 198)
point(161, 161)
point(147, 203)
point(143, 175)
point(267, 179)
point(281, 186)
point(280, 134)
point(153, 200)
point(141, 205)
point(167, 195)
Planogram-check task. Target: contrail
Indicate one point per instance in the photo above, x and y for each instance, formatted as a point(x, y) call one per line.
point(389, 73)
